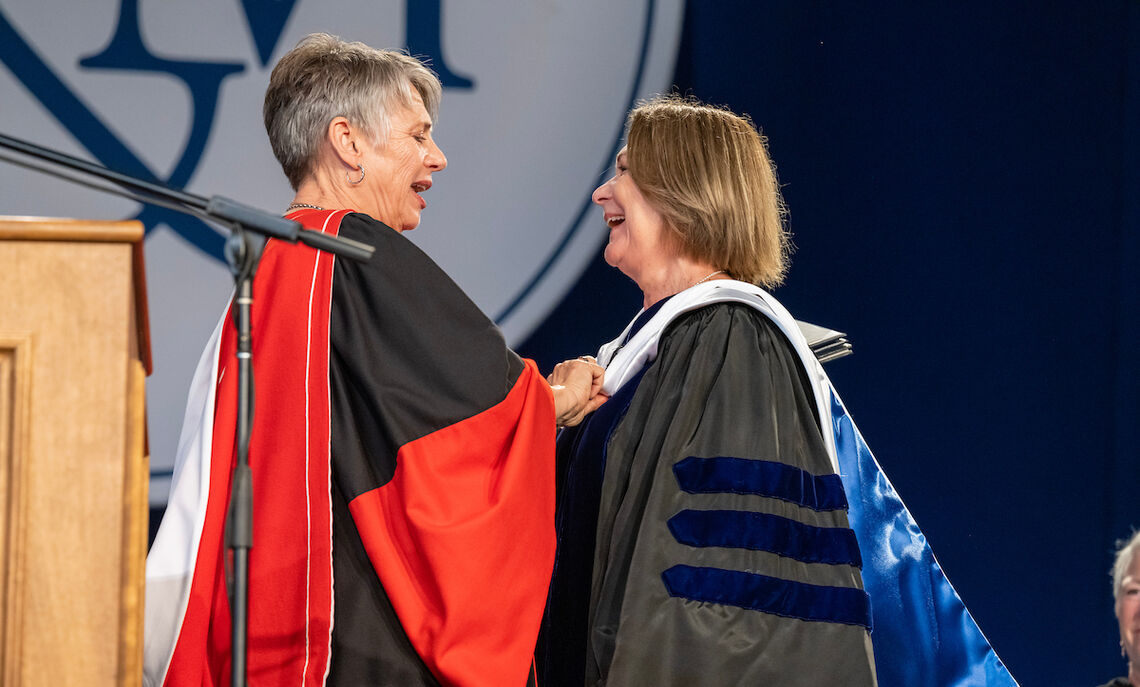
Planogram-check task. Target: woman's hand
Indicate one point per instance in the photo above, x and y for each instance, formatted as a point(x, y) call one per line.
point(577, 386)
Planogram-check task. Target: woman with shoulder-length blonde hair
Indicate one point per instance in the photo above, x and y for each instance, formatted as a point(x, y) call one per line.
point(707, 172)
point(703, 537)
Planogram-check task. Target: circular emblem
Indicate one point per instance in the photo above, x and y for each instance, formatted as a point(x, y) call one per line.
point(535, 98)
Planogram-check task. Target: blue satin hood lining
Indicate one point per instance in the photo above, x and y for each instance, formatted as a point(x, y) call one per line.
point(923, 633)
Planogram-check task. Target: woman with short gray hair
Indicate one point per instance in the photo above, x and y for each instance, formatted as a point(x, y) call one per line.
point(324, 78)
point(402, 455)
point(1126, 597)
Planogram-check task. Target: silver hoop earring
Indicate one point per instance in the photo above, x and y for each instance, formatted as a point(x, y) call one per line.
point(354, 183)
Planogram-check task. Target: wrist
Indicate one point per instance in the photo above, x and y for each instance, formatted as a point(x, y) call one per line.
point(563, 401)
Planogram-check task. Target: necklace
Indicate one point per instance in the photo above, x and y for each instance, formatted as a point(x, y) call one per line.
point(707, 277)
point(294, 206)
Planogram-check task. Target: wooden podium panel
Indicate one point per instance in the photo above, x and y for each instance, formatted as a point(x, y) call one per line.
point(74, 355)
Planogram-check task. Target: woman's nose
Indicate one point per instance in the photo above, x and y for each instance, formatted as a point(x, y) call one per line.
point(435, 159)
point(602, 193)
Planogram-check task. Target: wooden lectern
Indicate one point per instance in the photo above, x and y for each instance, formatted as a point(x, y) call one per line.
point(74, 355)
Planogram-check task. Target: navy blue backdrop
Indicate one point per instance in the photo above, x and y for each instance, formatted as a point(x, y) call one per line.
point(962, 182)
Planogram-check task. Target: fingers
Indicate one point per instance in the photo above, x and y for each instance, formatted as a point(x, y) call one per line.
point(575, 371)
point(597, 373)
point(577, 385)
point(583, 411)
point(594, 403)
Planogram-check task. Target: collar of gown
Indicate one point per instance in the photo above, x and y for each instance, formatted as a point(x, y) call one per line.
point(623, 362)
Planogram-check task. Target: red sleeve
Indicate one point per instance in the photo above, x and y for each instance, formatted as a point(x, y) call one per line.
point(463, 537)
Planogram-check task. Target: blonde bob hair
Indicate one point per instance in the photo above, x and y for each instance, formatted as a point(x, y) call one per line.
point(707, 171)
point(325, 77)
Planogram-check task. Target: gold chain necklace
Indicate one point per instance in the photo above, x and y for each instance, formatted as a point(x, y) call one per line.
point(707, 277)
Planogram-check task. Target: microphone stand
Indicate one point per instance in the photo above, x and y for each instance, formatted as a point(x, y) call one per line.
point(243, 259)
point(242, 256)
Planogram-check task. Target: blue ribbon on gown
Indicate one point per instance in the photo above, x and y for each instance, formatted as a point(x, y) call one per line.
point(922, 632)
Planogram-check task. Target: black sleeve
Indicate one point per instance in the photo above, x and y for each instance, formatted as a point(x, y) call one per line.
point(411, 353)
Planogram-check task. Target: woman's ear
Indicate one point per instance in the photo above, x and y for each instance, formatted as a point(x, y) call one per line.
point(342, 137)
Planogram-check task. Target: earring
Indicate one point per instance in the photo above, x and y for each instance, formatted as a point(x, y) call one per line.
point(354, 183)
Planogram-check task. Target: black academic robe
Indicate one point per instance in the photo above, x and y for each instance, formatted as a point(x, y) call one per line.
point(703, 534)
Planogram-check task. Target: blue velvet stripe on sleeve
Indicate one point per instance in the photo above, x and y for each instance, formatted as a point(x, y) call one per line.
point(761, 477)
point(740, 529)
point(786, 598)
point(766, 532)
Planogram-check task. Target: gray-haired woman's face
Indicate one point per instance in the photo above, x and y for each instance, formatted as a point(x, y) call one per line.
point(1128, 611)
point(400, 169)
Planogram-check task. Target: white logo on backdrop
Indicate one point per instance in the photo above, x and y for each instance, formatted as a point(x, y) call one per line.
point(536, 96)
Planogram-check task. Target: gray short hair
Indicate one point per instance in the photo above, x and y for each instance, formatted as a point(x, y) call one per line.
point(325, 77)
point(1124, 557)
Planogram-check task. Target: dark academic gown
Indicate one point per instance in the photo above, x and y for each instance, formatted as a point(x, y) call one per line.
point(703, 530)
point(402, 476)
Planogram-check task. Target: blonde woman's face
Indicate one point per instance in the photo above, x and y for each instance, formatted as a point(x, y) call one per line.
point(638, 243)
point(1128, 611)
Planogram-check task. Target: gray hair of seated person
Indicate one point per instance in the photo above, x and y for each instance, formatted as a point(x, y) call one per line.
point(1123, 563)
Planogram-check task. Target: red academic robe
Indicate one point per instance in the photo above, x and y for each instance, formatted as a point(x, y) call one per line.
point(402, 462)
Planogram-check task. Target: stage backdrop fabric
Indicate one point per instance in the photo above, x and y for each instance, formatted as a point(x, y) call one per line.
point(961, 179)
